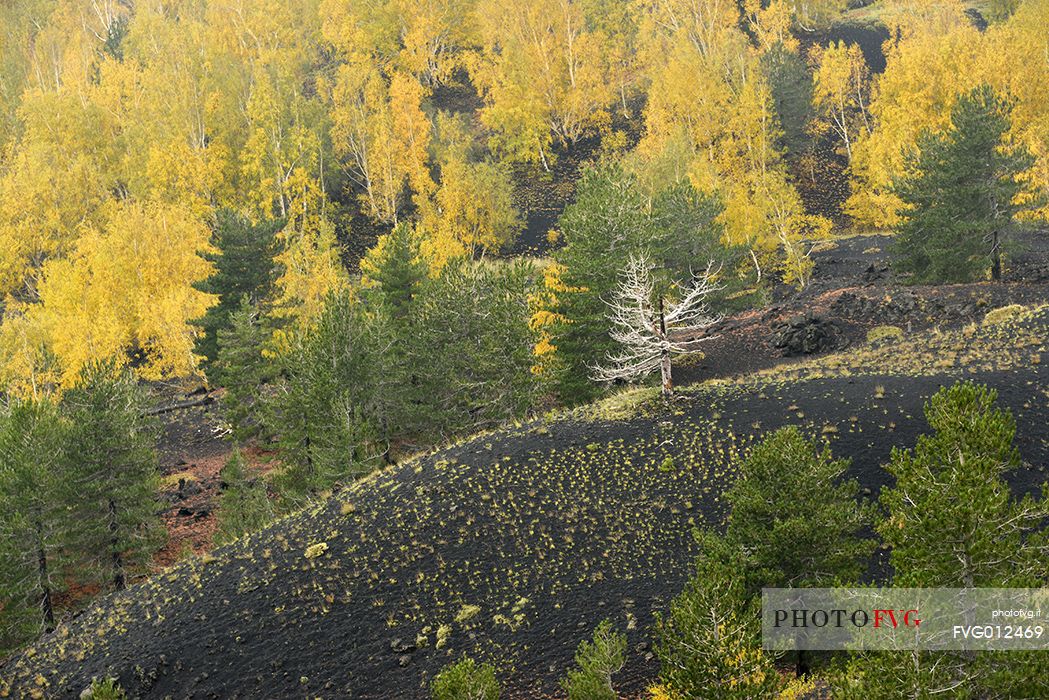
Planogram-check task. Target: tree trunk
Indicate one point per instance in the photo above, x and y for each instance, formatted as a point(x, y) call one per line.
point(996, 258)
point(45, 588)
point(801, 666)
point(386, 438)
point(664, 359)
point(119, 582)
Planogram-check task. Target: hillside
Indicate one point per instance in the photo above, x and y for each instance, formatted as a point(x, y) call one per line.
point(511, 546)
point(342, 342)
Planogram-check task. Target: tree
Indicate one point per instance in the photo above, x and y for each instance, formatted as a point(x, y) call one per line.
point(470, 330)
point(472, 209)
point(465, 680)
point(421, 38)
point(34, 525)
point(596, 663)
point(960, 194)
point(244, 506)
point(393, 272)
point(952, 520)
point(796, 517)
point(543, 75)
point(322, 409)
point(241, 368)
point(379, 128)
point(710, 114)
point(113, 472)
point(283, 151)
point(709, 643)
point(311, 269)
point(651, 328)
point(613, 218)
point(913, 95)
point(55, 181)
point(243, 266)
point(841, 91)
point(125, 291)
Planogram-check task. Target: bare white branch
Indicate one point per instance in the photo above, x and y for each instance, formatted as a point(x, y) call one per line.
point(650, 331)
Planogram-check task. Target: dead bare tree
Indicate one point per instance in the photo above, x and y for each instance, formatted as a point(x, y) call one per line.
point(651, 330)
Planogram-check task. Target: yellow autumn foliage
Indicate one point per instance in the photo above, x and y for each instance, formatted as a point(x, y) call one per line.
point(311, 267)
point(544, 74)
point(938, 56)
point(710, 118)
point(124, 291)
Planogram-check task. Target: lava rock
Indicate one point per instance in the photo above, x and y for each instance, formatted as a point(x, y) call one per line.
point(399, 646)
point(874, 273)
point(187, 488)
point(805, 334)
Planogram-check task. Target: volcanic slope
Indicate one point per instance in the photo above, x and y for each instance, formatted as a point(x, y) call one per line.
point(513, 545)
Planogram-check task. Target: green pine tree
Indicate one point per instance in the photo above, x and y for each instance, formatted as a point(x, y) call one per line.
point(952, 518)
point(113, 473)
point(241, 368)
point(244, 506)
point(395, 272)
point(34, 520)
point(709, 644)
point(596, 663)
point(394, 275)
point(244, 266)
point(469, 330)
point(953, 522)
point(323, 407)
point(796, 516)
point(960, 194)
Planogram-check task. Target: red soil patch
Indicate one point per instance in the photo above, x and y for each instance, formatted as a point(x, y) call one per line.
point(194, 499)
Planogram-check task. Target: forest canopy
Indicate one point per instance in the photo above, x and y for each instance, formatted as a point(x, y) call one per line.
point(127, 127)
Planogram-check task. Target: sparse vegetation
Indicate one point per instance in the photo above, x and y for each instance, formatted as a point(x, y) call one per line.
point(881, 334)
point(104, 689)
point(1004, 314)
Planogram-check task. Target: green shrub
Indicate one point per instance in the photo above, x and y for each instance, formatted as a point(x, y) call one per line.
point(624, 404)
point(884, 333)
point(596, 663)
point(104, 689)
point(1003, 314)
point(465, 680)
